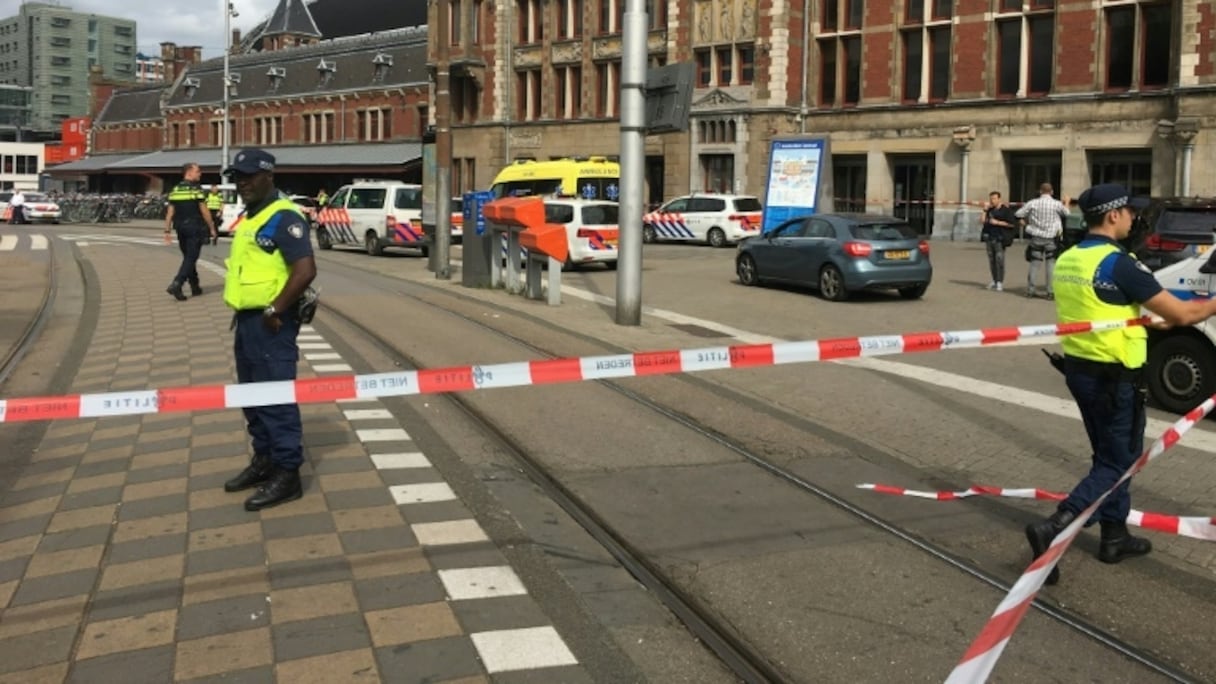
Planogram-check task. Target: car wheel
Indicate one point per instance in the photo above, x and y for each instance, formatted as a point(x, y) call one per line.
point(323, 240)
point(747, 271)
point(1181, 372)
point(648, 235)
point(831, 284)
point(716, 237)
point(914, 292)
point(372, 243)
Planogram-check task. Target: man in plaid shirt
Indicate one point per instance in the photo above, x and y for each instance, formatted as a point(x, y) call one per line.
point(1044, 217)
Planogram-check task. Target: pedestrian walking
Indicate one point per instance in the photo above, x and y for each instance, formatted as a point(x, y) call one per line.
point(1044, 217)
point(999, 223)
point(269, 271)
point(1098, 280)
point(215, 205)
point(189, 217)
point(16, 205)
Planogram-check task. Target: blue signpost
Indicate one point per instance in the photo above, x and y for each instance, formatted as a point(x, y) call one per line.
point(795, 181)
point(473, 216)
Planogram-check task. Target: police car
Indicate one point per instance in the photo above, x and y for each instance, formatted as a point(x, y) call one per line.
point(374, 215)
point(1181, 366)
point(592, 229)
point(718, 220)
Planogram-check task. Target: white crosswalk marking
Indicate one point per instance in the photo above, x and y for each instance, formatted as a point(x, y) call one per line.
point(38, 242)
point(8, 243)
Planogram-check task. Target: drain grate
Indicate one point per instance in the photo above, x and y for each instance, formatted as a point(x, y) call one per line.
point(697, 330)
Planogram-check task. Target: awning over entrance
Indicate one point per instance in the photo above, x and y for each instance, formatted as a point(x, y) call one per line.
point(91, 164)
point(318, 157)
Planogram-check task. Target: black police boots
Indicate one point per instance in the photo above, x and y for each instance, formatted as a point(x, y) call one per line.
point(1041, 533)
point(1117, 543)
point(283, 486)
point(195, 289)
point(256, 473)
point(175, 289)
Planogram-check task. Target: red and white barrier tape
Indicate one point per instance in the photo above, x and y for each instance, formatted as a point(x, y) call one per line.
point(522, 373)
point(1195, 527)
point(981, 657)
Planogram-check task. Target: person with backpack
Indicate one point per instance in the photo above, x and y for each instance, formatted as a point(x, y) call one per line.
point(999, 223)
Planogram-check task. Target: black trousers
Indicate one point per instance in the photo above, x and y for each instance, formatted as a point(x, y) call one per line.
point(190, 241)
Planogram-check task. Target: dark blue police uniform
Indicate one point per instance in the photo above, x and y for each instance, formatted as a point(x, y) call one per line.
point(263, 356)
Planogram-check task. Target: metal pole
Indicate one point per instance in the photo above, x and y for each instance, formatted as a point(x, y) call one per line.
point(443, 148)
point(227, 49)
point(633, 128)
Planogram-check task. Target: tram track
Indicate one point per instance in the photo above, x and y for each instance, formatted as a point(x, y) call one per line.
point(735, 651)
point(33, 329)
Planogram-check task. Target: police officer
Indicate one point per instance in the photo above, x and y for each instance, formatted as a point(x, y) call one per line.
point(1098, 280)
point(188, 215)
point(269, 269)
point(215, 204)
point(322, 198)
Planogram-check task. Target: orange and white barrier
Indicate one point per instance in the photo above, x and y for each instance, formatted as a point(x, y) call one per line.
point(1195, 527)
point(523, 373)
point(979, 660)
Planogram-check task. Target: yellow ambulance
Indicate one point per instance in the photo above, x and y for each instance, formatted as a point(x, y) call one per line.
point(591, 178)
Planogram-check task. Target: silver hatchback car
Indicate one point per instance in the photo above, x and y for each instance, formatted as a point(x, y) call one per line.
point(838, 254)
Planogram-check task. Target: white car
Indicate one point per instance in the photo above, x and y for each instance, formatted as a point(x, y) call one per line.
point(592, 229)
point(718, 220)
point(38, 207)
point(373, 214)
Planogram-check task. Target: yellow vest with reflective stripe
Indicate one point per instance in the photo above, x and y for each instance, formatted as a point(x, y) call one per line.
point(254, 276)
point(1077, 300)
point(186, 192)
point(215, 201)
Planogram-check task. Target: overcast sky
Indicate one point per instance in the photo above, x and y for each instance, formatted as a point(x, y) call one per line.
point(185, 22)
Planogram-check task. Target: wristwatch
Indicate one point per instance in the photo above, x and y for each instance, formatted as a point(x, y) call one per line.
point(270, 312)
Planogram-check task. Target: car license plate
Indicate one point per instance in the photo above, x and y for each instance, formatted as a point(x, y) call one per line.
point(1201, 249)
point(899, 254)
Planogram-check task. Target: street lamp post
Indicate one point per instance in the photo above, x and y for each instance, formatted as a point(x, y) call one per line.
point(229, 13)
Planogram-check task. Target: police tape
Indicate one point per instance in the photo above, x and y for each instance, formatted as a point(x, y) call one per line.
point(981, 657)
point(1195, 527)
point(523, 373)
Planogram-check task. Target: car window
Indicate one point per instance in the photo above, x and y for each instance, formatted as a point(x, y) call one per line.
point(1198, 222)
point(820, 229)
point(35, 197)
point(747, 204)
point(882, 231)
point(5, 196)
point(676, 206)
point(367, 198)
point(559, 213)
point(601, 215)
point(791, 228)
point(339, 199)
point(408, 198)
point(708, 204)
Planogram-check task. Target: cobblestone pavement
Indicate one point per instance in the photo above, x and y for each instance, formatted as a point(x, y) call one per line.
point(122, 558)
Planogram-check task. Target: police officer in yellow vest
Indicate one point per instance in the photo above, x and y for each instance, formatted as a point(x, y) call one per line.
point(269, 269)
point(188, 215)
point(1098, 280)
point(215, 204)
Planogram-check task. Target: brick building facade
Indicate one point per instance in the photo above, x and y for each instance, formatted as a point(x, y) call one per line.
point(330, 110)
point(910, 92)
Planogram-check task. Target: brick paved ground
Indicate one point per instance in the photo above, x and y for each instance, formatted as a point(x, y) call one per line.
point(122, 558)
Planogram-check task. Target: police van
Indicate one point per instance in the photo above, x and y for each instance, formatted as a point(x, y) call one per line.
point(233, 206)
point(716, 220)
point(373, 215)
point(1181, 367)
